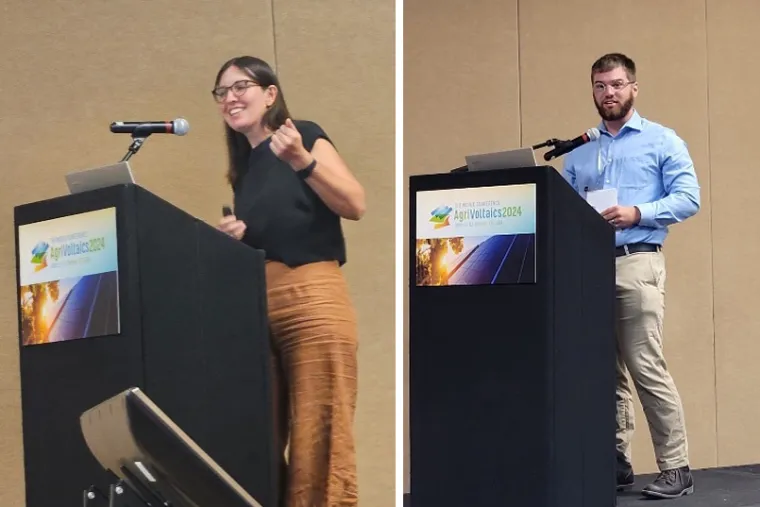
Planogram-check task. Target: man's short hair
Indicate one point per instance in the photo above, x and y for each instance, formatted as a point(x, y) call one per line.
point(612, 61)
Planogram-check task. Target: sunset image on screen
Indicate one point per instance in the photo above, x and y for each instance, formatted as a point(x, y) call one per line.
point(436, 259)
point(38, 304)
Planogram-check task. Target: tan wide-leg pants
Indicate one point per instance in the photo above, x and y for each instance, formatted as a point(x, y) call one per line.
point(641, 310)
point(314, 342)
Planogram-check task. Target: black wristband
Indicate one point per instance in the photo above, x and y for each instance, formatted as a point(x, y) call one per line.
point(306, 171)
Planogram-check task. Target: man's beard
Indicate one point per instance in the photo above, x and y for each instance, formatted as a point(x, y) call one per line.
point(611, 115)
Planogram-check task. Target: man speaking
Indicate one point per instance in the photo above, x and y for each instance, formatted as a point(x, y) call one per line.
point(652, 173)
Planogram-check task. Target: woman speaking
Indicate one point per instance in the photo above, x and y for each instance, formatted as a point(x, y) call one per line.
point(291, 189)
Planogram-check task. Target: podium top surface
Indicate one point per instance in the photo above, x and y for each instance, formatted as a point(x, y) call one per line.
point(110, 191)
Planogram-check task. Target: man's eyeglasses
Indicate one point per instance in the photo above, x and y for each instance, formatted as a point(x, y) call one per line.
point(616, 85)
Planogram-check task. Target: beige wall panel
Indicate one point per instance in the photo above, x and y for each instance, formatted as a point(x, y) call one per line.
point(460, 96)
point(733, 41)
point(11, 450)
point(69, 70)
point(336, 64)
point(460, 82)
point(559, 41)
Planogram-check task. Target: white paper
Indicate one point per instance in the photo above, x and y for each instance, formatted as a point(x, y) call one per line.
point(600, 200)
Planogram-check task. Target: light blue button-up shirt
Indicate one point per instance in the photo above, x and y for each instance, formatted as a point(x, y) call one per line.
point(651, 168)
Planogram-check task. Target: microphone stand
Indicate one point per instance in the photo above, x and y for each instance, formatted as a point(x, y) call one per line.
point(138, 138)
point(553, 152)
point(134, 147)
point(548, 142)
point(554, 143)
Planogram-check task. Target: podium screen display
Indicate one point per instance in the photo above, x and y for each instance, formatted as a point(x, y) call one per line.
point(476, 236)
point(68, 274)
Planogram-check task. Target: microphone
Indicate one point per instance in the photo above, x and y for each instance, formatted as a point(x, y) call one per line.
point(178, 127)
point(568, 146)
point(548, 142)
point(140, 131)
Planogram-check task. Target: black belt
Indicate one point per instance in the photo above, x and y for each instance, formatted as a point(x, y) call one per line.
point(636, 248)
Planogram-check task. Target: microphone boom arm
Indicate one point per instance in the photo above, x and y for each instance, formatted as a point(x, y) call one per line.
point(565, 147)
point(548, 142)
point(137, 142)
point(551, 154)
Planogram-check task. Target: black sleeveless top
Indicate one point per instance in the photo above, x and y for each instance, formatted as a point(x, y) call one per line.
point(283, 215)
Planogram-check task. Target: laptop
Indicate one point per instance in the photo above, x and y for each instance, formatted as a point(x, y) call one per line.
point(100, 177)
point(511, 159)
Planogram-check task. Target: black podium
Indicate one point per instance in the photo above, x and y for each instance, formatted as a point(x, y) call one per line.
point(511, 342)
point(120, 289)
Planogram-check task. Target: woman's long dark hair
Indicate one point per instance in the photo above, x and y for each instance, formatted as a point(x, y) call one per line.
point(238, 147)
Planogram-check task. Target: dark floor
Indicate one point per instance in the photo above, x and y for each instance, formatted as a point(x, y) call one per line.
point(713, 487)
point(726, 487)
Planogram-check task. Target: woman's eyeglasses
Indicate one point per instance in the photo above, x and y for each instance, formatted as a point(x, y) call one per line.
point(238, 88)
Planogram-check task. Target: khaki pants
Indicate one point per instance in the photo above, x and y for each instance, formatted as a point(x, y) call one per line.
point(641, 310)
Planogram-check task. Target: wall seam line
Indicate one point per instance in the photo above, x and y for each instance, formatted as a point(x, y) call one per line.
point(519, 78)
point(274, 38)
point(711, 236)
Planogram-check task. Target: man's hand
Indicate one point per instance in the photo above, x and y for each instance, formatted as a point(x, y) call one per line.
point(622, 217)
